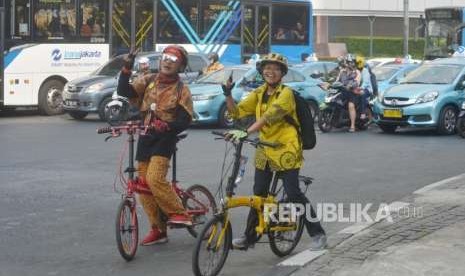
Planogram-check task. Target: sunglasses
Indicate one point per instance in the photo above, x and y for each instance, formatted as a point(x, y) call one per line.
point(169, 57)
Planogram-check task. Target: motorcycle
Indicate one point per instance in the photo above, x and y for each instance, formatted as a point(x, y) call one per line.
point(334, 111)
point(120, 110)
point(461, 122)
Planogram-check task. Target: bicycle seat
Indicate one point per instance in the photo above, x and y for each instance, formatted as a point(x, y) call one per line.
point(182, 135)
point(305, 179)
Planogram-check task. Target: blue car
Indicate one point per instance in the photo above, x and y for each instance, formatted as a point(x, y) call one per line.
point(390, 75)
point(210, 103)
point(317, 69)
point(430, 96)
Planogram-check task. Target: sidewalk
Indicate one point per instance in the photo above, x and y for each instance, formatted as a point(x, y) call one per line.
point(430, 241)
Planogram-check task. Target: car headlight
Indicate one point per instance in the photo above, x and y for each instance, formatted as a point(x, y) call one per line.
point(463, 105)
point(94, 88)
point(205, 97)
point(427, 97)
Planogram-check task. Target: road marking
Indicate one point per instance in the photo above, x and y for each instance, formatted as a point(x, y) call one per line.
point(437, 184)
point(302, 258)
point(353, 229)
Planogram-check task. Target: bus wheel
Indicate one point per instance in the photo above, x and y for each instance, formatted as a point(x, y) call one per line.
point(51, 97)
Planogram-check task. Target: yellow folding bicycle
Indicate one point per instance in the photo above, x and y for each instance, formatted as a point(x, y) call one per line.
point(215, 239)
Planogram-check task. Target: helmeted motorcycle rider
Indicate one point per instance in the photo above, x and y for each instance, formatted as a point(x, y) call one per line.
point(350, 77)
point(366, 85)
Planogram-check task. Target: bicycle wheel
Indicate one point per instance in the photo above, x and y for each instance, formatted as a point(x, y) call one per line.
point(212, 247)
point(198, 197)
point(282, 243)
point(127, 229)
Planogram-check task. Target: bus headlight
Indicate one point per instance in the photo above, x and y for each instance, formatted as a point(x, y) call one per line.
point(94, 88)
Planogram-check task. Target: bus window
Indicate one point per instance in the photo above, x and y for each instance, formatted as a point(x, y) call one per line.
point(91, 23)
point(20, 19)
point(168, 30)
point(55, 19)
point(290, 24)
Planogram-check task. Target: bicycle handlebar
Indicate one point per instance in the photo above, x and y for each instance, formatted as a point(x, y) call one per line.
point(130, 127)
point(254, 142)
point(103, 130)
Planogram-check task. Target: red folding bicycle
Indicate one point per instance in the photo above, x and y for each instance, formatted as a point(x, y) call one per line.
point(197, 199)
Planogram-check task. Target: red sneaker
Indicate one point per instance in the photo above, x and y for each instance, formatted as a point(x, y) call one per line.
point(154, 237)
point(180, 219)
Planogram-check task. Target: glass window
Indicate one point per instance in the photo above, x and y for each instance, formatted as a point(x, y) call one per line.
point(220, 76)
point(55, 19)
point(111, 68)
point(434, 74)
point(212, 11)
point(196, 63)
point(384, 72)
point(144, 24)
point(293, 76)
point(290, 24)
point(20, 18)
point(92, 20)
point(168, 30)
point(121, 29)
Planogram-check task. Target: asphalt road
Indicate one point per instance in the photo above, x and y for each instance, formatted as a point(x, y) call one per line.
point(57, 204)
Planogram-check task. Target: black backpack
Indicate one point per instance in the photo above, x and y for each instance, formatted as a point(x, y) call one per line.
point(306, 130)
point(374, 82)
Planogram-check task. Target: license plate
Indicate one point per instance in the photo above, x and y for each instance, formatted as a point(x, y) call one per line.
point(393, 113)
point(71, 103)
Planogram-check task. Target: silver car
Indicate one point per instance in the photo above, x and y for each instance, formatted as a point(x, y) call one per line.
point(92, 93)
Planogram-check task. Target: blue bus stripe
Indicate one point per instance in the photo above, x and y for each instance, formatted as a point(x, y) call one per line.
point(223, 23)
point(220, 18)
point(189, 37)
point(10, 56)
point(177, 14)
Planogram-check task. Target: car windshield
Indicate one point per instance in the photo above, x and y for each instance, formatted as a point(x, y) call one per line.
point(111, 68)
point(383, 73)
point(434, 74)
point(221, 76)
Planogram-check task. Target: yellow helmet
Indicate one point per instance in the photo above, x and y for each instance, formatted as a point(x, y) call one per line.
point(360, 62)
point(273, 58)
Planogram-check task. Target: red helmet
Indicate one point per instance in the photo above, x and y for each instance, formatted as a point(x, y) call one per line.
point(180, 52)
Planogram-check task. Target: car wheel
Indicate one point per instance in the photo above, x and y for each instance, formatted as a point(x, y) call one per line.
point(461, 127)
point(224, 120)
point(387, 128)
point(101, 108)
point(447, 121)
point(78, 115)
point(51, 97)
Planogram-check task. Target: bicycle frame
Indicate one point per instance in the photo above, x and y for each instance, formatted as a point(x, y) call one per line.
point(255, 202)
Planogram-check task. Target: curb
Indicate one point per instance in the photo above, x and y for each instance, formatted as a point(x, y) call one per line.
point(301, 259)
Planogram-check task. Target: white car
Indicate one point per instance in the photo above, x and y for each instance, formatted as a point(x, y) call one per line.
point(375, 62)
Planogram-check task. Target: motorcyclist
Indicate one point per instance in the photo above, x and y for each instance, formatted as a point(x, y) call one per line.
point(366, 85)
point(144, 66)
point(270, 103)
point(173, 106)
point(214, 65)
point(350, 78)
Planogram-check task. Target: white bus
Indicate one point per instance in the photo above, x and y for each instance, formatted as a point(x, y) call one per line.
point(45, 44)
